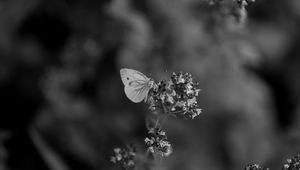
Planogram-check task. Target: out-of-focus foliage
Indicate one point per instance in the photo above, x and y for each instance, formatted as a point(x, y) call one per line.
point(59, 75)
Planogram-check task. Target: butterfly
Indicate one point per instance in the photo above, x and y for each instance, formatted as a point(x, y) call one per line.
point(137, 85)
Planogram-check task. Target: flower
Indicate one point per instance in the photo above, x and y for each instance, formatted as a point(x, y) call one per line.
point(124, 157)
point(292, 164)
point(157, 142)
point(177, 96)
point(255, 167)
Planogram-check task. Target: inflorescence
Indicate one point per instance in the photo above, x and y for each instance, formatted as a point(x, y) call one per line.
point(176, 96)
point(255, 167)
point(124, 157)
point(157, 142)
point(292, 164)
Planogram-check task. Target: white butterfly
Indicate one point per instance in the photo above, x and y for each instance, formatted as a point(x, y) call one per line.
point(137, 85)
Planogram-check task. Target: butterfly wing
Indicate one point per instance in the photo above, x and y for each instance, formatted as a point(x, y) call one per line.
point(136, 95)
point(130, 75)
point(136, 84)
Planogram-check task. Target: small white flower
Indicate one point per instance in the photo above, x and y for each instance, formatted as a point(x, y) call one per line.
point(189, 89)
point(117, 150)
point(163, 143)
point(168, 151)
point(199, 111)
point(149, 141)
point(118, 157)
point(151, 149)
point(162, 133)
point(180, 104)
point(130, 163)
point(181, 80)
point(170, 98)
point(191, 101)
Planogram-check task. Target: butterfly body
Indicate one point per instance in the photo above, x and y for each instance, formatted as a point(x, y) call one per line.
point(137, 85)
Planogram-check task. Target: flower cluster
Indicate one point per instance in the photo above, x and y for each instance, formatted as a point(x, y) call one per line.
point(255, 167)
point(292, 164)
point(157, 142)
point(176, 96)
point(124, 157)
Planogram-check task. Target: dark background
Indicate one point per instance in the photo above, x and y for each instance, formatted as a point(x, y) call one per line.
point(62, 102)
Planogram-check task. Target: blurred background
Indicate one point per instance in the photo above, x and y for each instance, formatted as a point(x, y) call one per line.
point(62, 101)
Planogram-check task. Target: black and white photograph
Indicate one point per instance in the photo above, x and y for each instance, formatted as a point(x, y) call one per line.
point(149, 85)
